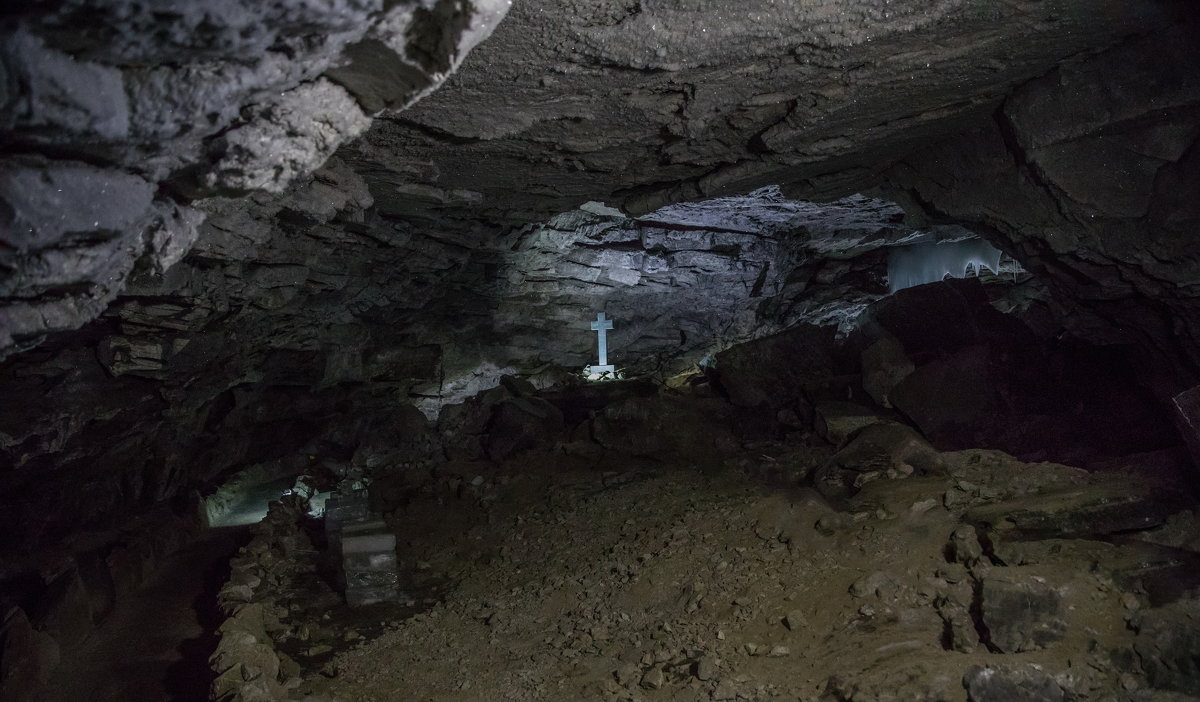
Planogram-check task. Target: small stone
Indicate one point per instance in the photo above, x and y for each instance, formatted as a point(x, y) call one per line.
point(751, 649)
point(794, 620)
point(1131, 602)
point(779, 652)
point(626, 673)
point(964, 543)
point(725, 691)
point(653, 679)
point(952, 573)
point(706, 668)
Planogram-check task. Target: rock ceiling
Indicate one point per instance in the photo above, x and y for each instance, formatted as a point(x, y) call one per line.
point(353, 203)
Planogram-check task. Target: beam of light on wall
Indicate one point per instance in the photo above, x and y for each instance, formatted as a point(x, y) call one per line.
point(930, 262)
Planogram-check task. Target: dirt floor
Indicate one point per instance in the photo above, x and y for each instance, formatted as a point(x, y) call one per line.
point(627, 582)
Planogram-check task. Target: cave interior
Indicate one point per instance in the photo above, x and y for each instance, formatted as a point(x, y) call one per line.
point(302, 398)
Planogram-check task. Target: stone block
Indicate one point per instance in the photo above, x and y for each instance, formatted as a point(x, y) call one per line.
point(1091, 510)
point(367, 527)
point(369, 561)
point(369, 543)
point(369, 579)
point(368, 596)
point(341, 509)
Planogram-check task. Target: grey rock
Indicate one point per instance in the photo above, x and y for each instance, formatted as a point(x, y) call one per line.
point(1021, 611)
point(288, 138)
point(837, 421)
point(884, 365)
point(1168, 645)
point(61, 95)
point(965, 546)
point(877, 451)
point(1004, 683)
point(652, 679)
point(1096, 509)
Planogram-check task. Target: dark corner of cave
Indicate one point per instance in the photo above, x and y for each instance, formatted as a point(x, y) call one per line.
point(619, 350)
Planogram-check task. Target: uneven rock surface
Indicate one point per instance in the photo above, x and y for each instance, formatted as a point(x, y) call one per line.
point(644, 583)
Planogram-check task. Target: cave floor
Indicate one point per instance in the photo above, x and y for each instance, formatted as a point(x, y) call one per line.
point(661, 584)
point(154, 645)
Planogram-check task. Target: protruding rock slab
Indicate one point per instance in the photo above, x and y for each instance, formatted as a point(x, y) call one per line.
point(1101, 509)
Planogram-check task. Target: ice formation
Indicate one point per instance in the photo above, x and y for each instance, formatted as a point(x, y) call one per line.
point(930, 262)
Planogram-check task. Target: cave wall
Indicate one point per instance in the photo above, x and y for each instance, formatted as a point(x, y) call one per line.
point(245, 306)
point(116, 116)
point(309, 323)
point(1089, 176)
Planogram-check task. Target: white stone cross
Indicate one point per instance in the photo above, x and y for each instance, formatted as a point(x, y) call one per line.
point(602, 325)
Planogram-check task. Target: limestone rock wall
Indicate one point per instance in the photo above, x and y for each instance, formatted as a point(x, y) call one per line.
point(307, 323)
point(1088, 176)
point(116, 117)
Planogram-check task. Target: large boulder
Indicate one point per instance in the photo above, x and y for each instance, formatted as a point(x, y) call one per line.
point(665, 427)
point(878, 451)
point(499, 423)
point(778, 371)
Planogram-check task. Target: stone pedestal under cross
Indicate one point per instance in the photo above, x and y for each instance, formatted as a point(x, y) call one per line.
point(602, 326)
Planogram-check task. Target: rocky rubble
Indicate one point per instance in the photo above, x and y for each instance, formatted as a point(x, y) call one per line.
point(675, 584)
point(246, 662)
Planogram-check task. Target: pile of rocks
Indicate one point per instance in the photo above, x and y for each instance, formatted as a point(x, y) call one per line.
point(247, 663)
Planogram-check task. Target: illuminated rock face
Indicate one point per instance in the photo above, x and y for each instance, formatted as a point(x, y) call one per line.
point(253, 296)
point(122, 118)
